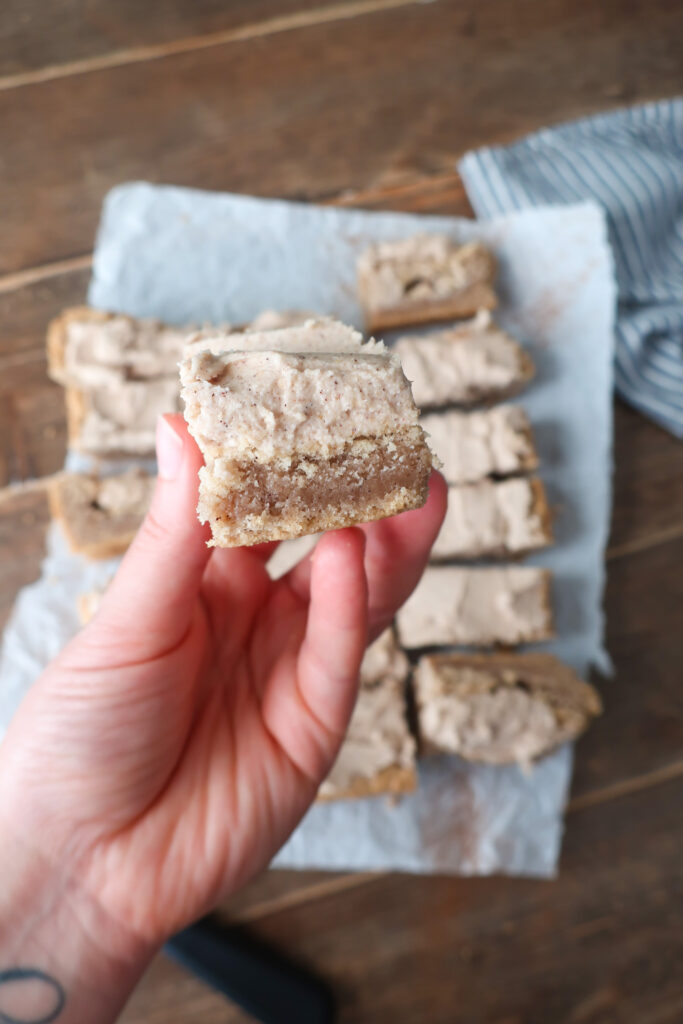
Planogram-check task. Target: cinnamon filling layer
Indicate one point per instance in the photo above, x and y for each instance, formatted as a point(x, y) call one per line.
point(310, 486)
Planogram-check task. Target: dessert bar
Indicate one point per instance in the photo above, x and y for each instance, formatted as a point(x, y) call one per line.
point(100, 515)
point(301, 443)
point(471, 446)
point(493, 519)
point(500, 708)
point(474, 362)
point(477, 607)
point(424, 279)
point(378, 752)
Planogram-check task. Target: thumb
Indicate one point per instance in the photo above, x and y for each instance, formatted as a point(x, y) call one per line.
point(150, 603)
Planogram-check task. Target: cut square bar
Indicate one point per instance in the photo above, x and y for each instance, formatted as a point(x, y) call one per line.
point(500, 708)
point(119, 419)
point(378, 753)
point(424, 279)
point(477, 607)
point(471, 446)
point(494, 519)
point(301, 443)
point(101, 515)
point(474, 362)
point(91, 349)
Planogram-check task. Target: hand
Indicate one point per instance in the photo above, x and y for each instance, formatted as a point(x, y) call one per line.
point(170, 750)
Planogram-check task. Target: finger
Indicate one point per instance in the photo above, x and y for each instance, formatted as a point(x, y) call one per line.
point(264, 551)
point(235, 585)
point(309, 699)
point(396, 553)
point(150, 603)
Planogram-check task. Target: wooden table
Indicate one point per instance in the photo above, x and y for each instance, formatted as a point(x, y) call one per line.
point(370, 103)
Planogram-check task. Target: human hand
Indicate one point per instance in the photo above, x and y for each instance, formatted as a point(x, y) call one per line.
point(171, 748)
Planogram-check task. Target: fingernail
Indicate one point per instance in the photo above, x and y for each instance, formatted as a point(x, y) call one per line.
point(170, 447)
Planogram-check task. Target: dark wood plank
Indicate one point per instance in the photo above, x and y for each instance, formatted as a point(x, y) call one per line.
point(418, 85)
point(648, 482)
point(642, 727)
point(603, 943)
point(32, 418)
point(26, 311)
point(40, 33)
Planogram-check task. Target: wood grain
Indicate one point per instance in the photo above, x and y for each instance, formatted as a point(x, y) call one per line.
point(37, 34)
point(642, 726)
point(648, 482)
point(602, 944)
point(343, 105)
point(32, 419)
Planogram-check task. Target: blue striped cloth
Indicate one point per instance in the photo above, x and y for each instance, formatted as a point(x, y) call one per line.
point(631, 162)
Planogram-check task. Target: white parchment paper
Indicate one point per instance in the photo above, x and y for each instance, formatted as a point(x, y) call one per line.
point(192, 257)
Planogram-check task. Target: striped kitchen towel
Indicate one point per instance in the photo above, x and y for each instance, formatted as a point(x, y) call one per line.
point(630, 161)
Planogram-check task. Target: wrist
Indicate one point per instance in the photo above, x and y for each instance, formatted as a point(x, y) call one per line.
point(57, 945)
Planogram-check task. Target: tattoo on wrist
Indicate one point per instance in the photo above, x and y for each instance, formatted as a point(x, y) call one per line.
point(37, 985)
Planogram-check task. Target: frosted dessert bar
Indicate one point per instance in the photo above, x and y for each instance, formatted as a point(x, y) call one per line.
point(119, 418)
point(378, 753)
point(477, 607)
point(492, 519)
point(474, 362)
point(90, 349)
point(100, 515)
point(497, 442)
point(424, 279)
point(500, 708)
point(120, 373)
point(300, 443)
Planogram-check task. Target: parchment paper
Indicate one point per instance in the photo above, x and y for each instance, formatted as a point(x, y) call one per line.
point(191, 257)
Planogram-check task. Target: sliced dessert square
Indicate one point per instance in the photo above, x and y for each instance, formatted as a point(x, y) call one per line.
point(500, 708)
point(424, 279)
point(301, 443)
point(88, 348)
point(119, 418)
point(477, 607)
point(473, 362)
point(100, 515)
point(378, 753)
point(493, 519)
point(472, 446)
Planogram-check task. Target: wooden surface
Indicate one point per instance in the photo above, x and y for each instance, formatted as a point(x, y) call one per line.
point(370, 103)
